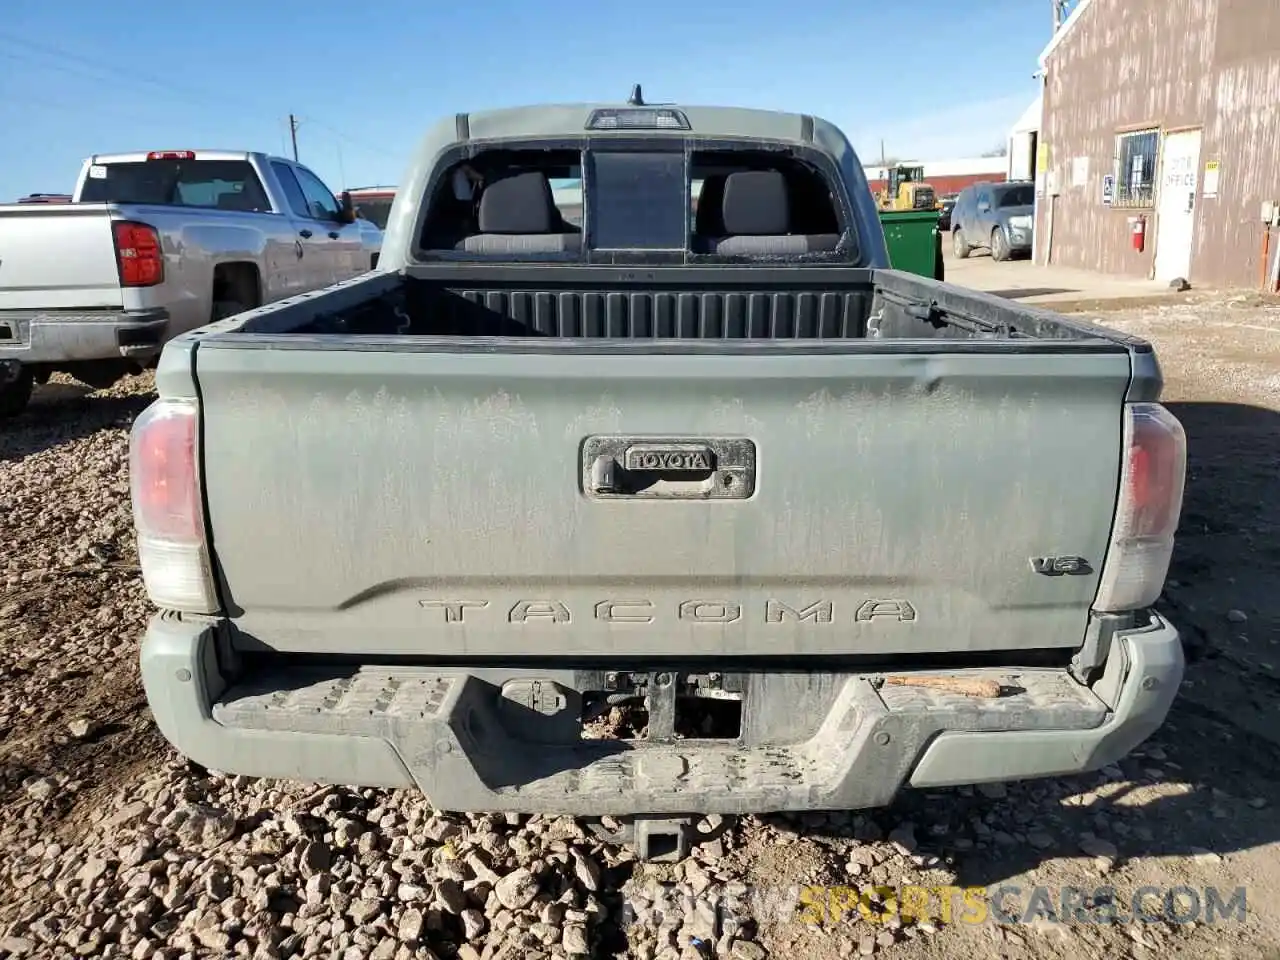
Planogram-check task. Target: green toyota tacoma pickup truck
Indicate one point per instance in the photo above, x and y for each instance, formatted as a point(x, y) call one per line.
point(686, 505)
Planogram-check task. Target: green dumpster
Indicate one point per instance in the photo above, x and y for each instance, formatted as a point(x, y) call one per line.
point(914, 243)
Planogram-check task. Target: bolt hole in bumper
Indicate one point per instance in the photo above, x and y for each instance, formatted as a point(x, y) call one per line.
point(453, 734)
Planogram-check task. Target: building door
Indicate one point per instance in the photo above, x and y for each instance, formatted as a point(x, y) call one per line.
point(1176, 204)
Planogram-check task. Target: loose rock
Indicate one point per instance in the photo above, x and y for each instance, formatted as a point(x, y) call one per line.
point(450, 894)
point(473, 924)
point(82, 727)
point(346, 832)
point(411, 926)
point(315, 858)
point(517, 889)
point(748, 950)
point(1095, 846)
point(904, 836)
point(575, 940)
point(42, 789)
point(586, 870)
point(205, 826)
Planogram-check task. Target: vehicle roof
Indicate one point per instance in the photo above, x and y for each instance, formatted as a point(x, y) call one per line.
point(550, 121)
point(140, 156)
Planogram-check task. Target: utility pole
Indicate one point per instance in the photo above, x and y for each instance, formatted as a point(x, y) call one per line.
point(293, 132)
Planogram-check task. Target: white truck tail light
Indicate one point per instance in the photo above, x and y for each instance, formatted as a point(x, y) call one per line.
point(168, 514)
point(1151, 483)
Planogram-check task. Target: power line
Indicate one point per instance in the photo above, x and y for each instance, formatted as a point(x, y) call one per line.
point(342, 170)
point(163, 85)
point(339, 137)
point(76, 70)
point(359, 144)
point(78, 65)
point(334, 130)
point(168, 87)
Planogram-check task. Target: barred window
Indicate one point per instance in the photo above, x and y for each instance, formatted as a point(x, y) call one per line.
point(1136, 168)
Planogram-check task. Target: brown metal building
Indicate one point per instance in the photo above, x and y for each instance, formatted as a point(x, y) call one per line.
point(1164, 112)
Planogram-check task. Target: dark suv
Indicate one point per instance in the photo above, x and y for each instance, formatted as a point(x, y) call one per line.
point(998, 216)
point(945, 207)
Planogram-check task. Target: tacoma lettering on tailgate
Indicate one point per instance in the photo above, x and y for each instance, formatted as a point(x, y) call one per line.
point(696, 611)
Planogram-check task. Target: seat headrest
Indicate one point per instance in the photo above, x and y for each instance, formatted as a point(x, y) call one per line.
point(755, 204)
point(519, 204)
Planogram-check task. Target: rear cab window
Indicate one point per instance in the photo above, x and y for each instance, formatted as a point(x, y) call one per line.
point(659, 201)
point(375, 209)
point(209, 184)
point(638, 201)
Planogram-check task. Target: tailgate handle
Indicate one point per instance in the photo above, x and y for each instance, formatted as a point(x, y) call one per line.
point(620, 467)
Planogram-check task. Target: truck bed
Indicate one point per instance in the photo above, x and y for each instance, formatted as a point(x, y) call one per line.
point(683, 303)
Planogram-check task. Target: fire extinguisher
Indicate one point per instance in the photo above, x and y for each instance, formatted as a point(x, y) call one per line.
point(1139, 233)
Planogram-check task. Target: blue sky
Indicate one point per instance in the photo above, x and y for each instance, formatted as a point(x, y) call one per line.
point(934, 78)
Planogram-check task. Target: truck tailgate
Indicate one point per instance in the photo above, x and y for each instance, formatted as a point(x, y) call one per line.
point(58, 257)
point(447, 501)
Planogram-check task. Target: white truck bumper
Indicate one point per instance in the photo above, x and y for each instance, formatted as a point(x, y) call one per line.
point(32, 337)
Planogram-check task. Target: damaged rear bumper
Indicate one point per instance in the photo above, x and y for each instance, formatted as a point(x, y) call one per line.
point(454, 735)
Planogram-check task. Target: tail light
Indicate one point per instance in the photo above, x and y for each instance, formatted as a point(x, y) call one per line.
point(1151, 483)
point(168, 515)
point(138, 254)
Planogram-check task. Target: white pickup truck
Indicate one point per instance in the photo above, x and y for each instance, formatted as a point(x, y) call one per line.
point(156, 244)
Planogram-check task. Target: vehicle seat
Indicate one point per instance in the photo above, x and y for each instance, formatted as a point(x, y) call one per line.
point(518, 215)
point(236, 201)
point(756, 216)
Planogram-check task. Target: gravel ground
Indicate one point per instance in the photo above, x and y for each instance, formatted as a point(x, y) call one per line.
point(113, 846)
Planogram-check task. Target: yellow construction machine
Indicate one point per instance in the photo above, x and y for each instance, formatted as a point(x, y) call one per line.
point(907, 190)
